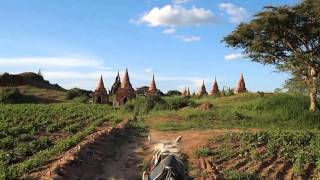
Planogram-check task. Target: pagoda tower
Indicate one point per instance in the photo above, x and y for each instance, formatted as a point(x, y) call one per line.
point(215, 88)
point(152, 88)
point(241, 85)
point(184, 92)
point(100, 95)
point(223, 92)
point(116, 85)
point(125, 92)
point(203, 90)
point(188, 92)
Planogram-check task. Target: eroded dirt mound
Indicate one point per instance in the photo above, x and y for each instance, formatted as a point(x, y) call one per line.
point(109, 153)
point(205, 106)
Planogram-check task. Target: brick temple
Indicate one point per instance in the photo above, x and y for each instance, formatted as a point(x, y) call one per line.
point(100, 95)
point(241, 88)
point(125, 92)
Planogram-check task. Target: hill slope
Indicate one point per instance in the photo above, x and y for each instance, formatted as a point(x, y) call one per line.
point(33, 85)
point(27, 79)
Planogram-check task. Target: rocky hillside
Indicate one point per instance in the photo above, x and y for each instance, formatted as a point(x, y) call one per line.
point(27, 79)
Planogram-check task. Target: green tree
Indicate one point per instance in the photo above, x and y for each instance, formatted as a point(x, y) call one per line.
point(288, 37)
point(174, 93)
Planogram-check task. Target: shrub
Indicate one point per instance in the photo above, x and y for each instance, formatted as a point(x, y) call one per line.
point(76, 92)
point(173, 93)
point(203, 152)
point(141, 105)
point(11, 95)
point(23, 149)
point(7, 142)
point(176, 103)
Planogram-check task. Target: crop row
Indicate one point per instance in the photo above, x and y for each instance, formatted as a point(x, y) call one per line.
point(28, 129)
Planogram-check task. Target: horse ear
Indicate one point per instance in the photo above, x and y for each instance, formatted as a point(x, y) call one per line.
point(178, 139)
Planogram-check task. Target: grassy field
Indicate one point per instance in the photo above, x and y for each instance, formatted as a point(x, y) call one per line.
point(31, 134)
point(266, 111)
point(39, 95)
point(280, 136)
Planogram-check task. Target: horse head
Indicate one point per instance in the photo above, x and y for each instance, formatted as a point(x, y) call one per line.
point(163, 148)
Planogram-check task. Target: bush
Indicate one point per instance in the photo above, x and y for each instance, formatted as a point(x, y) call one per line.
point(11, 95)
point(174, 93)
point(7, 142)
point(203, 152)
point(143, 105)
point(176, 103)
point(77, 93)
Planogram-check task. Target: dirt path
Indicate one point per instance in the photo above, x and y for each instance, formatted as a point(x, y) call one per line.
point(109, 153)
point(116, 153)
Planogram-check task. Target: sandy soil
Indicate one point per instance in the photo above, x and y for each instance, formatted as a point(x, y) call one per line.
point(109, 153)
point(116, 153)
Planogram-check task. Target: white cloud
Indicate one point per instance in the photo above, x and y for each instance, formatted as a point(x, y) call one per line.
point(169, 31)
point(237, 14)
point(232, 57)
point(48, 62)
point(75, 75)
point(181, 1)
point(87, 80)
point(188, 38)
point(172, 16)
point(148, 70)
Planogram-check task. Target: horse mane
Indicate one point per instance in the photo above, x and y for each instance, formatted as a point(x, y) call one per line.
point(166, 147)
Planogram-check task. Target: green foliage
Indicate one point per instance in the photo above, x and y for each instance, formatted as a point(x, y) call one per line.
point(174, 93)
point(286, 37)
point(177, 102)
point(27, 132)
point(299, 163)
point(234, 175)
point(203, 152)
point(144, 105)
point(81, 95)
point(277, 110)
point(10, 95)
point(249, 110)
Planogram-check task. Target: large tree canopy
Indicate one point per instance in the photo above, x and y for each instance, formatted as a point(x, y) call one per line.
point(288, 37)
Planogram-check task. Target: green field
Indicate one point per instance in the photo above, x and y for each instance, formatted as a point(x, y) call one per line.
point(249, 110)
point(31, 134)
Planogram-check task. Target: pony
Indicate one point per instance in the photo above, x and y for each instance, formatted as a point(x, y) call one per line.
point(167, 161)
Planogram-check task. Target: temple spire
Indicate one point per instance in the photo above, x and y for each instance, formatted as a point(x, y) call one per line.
point(188, 92)
point(203, 90)
point(101, 84)
point(126, 80)
point(241, 85)
point(116, 85)
point(215, 88)
point(153, 86)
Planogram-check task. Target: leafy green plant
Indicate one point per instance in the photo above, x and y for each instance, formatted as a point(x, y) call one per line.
point(203, 152)
point(299, 162)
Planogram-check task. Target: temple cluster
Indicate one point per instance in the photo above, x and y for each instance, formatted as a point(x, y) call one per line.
point(241, 88)
point(123, 91)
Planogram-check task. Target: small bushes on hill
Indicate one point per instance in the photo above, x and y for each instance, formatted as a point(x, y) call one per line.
point(78, 95)
point(173, 93)
point(143, 105)
point(10, 95)
point(276, 110)
point(177, 102)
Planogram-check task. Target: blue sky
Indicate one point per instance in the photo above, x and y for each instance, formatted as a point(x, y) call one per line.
point(74, 41)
